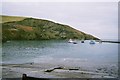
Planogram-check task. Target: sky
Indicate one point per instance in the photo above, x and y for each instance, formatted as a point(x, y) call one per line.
point(99, 19)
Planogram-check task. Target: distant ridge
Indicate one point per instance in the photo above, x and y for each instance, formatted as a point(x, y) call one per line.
point(23, 28)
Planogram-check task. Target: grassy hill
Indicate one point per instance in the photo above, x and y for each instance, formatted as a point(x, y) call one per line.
point(39, 29)
point(10, 18)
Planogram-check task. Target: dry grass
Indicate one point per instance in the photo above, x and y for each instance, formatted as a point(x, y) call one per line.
point(10, 18)
point(25, 28)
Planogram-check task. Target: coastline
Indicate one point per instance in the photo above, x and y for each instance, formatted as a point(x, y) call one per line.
point(39, 70)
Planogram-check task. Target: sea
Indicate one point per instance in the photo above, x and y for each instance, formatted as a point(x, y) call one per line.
point(59, 51)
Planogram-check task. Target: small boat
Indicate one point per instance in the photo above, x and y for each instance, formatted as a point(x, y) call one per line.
point(92, 42)
point(72, 41)
point(82, 41)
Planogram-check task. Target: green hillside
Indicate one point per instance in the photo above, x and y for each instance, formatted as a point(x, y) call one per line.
point(39, 29)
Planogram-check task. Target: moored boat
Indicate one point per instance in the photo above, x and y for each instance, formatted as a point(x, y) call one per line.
point(92, 42)
point(72, 41)
point(82, 41)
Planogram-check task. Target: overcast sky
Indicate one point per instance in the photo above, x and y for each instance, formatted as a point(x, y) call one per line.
point(97, 18)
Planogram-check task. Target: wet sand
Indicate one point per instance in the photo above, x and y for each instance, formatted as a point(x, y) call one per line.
point(39, 70)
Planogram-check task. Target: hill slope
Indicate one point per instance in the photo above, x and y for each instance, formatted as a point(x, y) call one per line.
point(39, 29)
point(10, 18)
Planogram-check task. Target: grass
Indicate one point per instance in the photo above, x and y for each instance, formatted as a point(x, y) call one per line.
point(10, 18)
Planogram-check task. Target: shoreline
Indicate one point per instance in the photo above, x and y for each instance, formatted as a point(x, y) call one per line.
point(39, 70)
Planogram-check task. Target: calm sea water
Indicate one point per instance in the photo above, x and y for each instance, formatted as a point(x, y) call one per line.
point(16, 52)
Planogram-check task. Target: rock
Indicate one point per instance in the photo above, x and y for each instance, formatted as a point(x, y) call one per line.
point(49, 70)
point(99, 69)
point(73, 69)
point(59, 67)
point(52, 69)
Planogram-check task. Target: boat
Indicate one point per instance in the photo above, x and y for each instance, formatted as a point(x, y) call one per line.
point(92, 42)
point(72, 41)
point(82, 41)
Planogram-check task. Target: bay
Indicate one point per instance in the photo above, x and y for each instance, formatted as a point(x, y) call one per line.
point(16, 52)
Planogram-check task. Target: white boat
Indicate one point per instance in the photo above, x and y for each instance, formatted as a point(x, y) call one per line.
point(72, 41)
point(92, 42)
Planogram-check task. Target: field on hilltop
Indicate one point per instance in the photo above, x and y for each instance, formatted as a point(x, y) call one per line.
point(10, 18)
